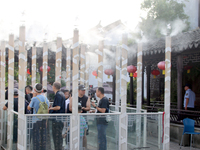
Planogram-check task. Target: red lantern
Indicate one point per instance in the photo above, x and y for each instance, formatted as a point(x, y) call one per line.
point(94, 73)
point(161, 65)
point(188, 68)
point(28, 71)
point(131, 69)
point(109, 72)
point(155, 73)
point(135, 75)
point(48, 68)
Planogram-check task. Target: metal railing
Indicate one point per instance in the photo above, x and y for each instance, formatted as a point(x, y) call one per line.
point(144, 130)
point(128, 109)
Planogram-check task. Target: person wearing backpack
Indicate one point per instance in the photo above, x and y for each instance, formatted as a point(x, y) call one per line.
point(40, 105)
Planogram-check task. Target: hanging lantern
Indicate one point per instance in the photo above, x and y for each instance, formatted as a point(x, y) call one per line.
point(94, 73)
point(48, 68)
point(155, 73)
point(135, 75)
point(28, 71)
point(109, 72)
point(188, 68)
point(131, 69)
point(161, 65)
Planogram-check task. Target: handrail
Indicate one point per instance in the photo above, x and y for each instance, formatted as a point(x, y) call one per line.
point(14, 112)
point(57, 114)
point(98, 114)
point(191, 111)
point(129, 108)
point(65, 114)
point(159, 113)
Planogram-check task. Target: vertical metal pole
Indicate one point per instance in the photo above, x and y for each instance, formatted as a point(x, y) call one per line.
point(123, 116)
point(45, 65)
point(139, 93)
point(2, 80)
point(167, 92)
point(114, 76)
point(22, 82)
point(34, 66)
point(131, 91)
point(82, 64)
point(75, 118)
point(68, 69)
point(58, 60)
point(159, 130)
point(26, 60)
point(179, 81)
point(117, 87)
point(145, 130)
point(148, 84)
point(139, 77)
point(142, 83)
point(11, 90)
point(100, 63)
point(87, 62)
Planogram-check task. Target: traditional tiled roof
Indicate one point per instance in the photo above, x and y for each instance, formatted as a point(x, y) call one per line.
point(180, 42)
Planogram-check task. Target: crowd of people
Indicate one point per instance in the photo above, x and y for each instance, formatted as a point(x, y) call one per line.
point(36, 102)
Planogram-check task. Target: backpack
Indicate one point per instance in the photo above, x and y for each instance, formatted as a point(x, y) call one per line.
point(43, 107)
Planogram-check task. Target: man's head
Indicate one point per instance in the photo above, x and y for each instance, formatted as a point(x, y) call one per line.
point(79, 109)
point(100, 91)
point(38, 88)
point(28, 89)
point(15, 92)
point(187, 86)
point(66, 92)
point(81, 90)
point(56, 86)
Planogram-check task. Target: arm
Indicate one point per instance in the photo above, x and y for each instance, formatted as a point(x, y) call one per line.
point(85, 131)
point(56, 104)
point(102, 110)
point(31, 104)
point(187, 101)
point(70, 104)
point(29, 108)
point(5, 108)
point(87, 105)
point(55, 108)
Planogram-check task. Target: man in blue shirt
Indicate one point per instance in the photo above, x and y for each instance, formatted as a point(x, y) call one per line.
point(58, 107)
point(189, 98)
point(39, 133)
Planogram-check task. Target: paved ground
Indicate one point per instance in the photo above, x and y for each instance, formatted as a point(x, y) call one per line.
point(175, 146)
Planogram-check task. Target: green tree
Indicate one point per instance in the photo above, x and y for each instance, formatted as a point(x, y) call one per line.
point(160, 14)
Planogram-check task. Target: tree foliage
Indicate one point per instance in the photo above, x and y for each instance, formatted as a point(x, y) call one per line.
point(160, 14)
